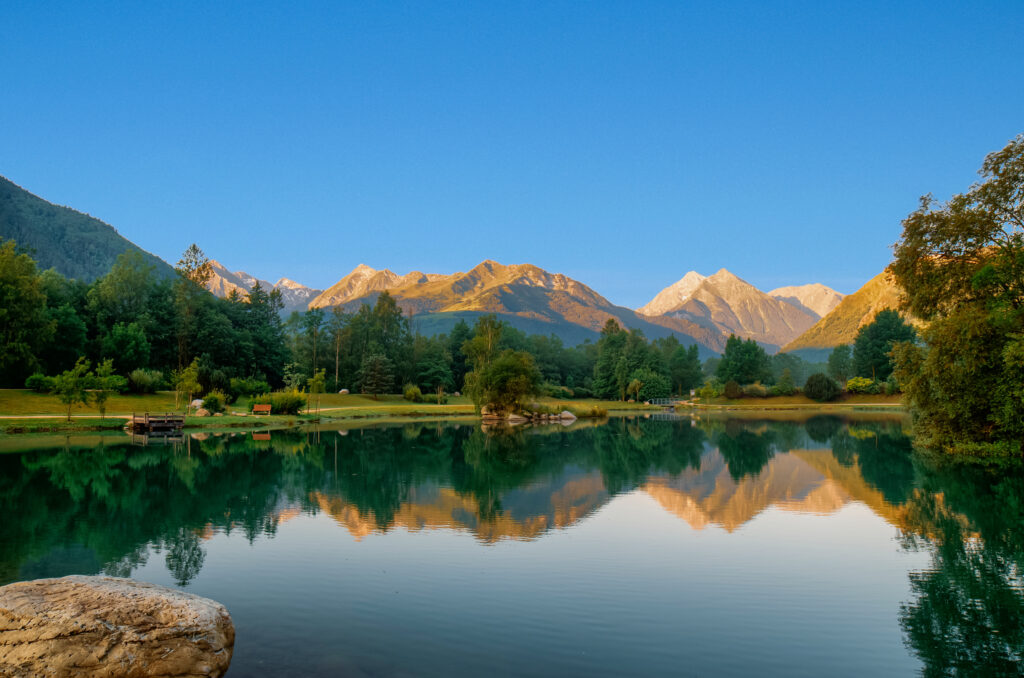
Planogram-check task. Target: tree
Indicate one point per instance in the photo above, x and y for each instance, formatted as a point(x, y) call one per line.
point(127, 344)
point(821, 387)
point(70, 385)
point(840, 363)
point(337, 323)
point(744, 362)
point(685, 369)
point(195, 266)
point(376, 374)
point(483, 347)
point(649, 384)
point(186, 382)
point(874, 343)
point(503, 384)
point(24, 324)
point(316, 385)
point(961, 267)
point(103, 385)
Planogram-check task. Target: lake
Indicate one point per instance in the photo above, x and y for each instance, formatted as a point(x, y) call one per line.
point(636, 546)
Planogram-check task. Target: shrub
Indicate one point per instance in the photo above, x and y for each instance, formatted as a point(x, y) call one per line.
point(782, 389)
point(556, 391)
point(412, 393)
point(115, 382)
point(821, 387)
point(892, 385)
point(755, 391)
point(40, 383)
point(580, 392)
point(732, 390)
point(281, 402)
point(710, 389)
point(246, 388)
point(862, 385)
point(145, 381)
point(592, 412)
point(214, 401)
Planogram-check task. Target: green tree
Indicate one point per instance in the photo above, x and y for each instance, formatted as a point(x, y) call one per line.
point(186, 383)
point(25, 326)
point(840, 363)
point(961, 267)
point(316, 385)
point(874, 343)
point(744, 362)
point(486, 341)
point(103, 385)
point(649, 384)
point(685, 369)
point(504, 383)
point(70, 386)
point(377, 374)
point(127, 344)
point(821, 387)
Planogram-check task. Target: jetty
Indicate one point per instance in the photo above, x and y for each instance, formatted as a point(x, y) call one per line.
point(166, 424)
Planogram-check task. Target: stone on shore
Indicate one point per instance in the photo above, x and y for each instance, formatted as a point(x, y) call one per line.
point(566, 415)
point(201, 412)
point(106, 626)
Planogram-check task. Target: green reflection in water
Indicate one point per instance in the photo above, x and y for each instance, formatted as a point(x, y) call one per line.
point(111, 507)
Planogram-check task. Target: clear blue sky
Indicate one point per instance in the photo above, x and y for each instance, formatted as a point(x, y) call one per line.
point(622, 144)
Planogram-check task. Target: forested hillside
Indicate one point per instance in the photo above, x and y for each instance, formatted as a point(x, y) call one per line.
point(76, 245)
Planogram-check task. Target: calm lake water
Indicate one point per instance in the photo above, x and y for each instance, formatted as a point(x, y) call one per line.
point(632, 547)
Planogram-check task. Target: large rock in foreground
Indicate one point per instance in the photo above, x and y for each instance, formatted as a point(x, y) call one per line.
point(104, 626)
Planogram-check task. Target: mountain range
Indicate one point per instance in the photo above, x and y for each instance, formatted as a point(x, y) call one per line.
point(696, 309)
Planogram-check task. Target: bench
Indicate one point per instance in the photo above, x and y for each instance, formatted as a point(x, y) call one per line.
point(261, 409)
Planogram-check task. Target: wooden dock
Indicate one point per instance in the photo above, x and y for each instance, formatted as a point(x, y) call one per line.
point(156, 423)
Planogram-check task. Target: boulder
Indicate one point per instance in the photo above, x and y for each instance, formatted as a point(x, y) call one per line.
point(517, 419)
point(457, 394)
point(198, 402)
point(343, 391)
point(566, 415)
point(202, 412)
point(105, 626)
point(219, 414)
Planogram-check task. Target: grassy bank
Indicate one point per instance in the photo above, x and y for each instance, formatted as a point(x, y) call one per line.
point(24, 411)
point(794, 402)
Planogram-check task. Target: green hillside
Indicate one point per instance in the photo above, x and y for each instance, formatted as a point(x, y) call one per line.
point(75, 244)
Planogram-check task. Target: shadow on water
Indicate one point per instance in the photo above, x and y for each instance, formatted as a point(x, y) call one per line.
point(110, 507)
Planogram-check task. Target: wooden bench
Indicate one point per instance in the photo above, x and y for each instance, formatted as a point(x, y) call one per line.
point(261, 409)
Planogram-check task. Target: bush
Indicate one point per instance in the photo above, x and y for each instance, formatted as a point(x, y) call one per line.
point(40, 383)
point(821, 387)
point(862, 385)
point(281, 402)
point(114, 382)
point(246, 388)
point(557, 391)
point(214, 401)
point(781, 389)
point(146, 381)
point(412, 393)
point(892, 385)
point(732, 390)
point(710, 389)
point(592, 412)
point(755, 391)
point(581, 392)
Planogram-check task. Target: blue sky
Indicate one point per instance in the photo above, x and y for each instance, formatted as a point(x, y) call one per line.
point(622, 144)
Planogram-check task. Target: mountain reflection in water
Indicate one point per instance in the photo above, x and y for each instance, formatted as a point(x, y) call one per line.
point(111, 507)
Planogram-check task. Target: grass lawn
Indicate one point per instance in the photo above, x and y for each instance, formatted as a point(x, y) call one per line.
point(23, 402)
point(801, 401)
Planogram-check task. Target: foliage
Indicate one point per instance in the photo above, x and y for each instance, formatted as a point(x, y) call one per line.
point(105, 382)
point(186, 383)
point(70, 386)
point(145, 381)
point(127, 346)
point(651, 384)
point(316, 385)
point(744, 362)
point(961, 267)
point(755, 391)
point(24, 324)
point(862, 385)
point(40, 383)
point(377, 374)
point(504, 383)
point(412, 393)
point(732, 390)
point(215, 401)
point(821, 387)
point(281, 402)
point(874, 343)
point(784, 386)
point(840, 363)
point(246, 387)
point(712, 388)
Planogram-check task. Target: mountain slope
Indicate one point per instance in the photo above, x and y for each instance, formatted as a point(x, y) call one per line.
point(524, 295)
point(730, 305)
point(75, 244)
point(223, 282)
point(815, 297)
point(858, 309)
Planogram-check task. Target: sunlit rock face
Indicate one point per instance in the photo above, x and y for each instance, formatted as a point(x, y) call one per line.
point(730, 305)
point(295, 296)
point(814, 297)
point(105, 626)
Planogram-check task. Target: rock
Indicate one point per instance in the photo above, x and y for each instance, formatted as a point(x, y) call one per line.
point(219, 414)
point(517, 419)
point(198, 402)
point(201, 412)
point(343, 391)
point(566, 415)
point(457, 394)
point(105, 626)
